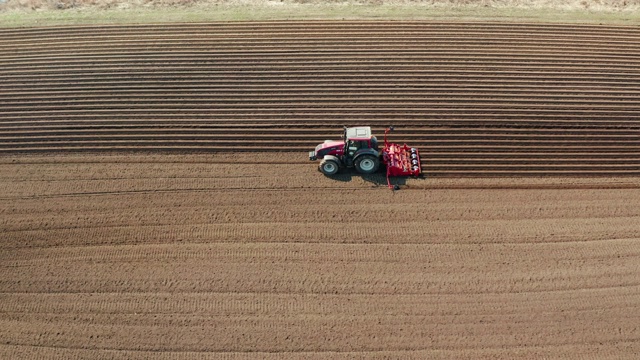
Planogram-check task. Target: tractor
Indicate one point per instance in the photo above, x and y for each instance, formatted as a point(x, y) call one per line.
point(359, 149)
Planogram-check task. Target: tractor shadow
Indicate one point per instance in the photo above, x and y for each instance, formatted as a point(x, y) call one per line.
point(377, 179)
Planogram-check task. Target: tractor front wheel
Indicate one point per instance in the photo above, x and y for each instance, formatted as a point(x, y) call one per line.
point(329, 167)
point(367, 164)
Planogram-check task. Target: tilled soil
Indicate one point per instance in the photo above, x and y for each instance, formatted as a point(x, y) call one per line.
point(238, 250)
point(480, 99)
point(258, 255)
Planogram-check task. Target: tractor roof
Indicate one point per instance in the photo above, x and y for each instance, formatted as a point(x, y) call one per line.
point(361, 132)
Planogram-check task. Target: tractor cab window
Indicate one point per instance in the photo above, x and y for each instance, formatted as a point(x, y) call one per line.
point(374, 142)
point(355, 145)
point(352, 146)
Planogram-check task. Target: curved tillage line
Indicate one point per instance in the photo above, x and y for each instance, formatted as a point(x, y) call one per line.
point(349, 52)
point(234, 68)
point(478, 99)
point(329, 99)
point(230, 29)
point(462, 76)
point(171, 118)
point(521, 47)
point(138, 88)
point(388, 67)
point(271, 130)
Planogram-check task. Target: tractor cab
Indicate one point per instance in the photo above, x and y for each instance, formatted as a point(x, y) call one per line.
point(358, 138)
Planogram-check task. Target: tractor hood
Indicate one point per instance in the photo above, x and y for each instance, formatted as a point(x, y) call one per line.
point(328, 147)
point(329, 144)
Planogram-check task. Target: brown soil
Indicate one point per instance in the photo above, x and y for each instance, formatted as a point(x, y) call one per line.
point(132, 256)
point(482, 99)
point(256, 255)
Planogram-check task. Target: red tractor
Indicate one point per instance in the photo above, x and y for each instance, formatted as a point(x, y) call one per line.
point(360, 149)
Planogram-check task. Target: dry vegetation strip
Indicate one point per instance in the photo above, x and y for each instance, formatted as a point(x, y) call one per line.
point(66, 12)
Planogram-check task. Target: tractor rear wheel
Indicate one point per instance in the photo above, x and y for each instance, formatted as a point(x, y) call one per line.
point(367, 164)
point(329, 167)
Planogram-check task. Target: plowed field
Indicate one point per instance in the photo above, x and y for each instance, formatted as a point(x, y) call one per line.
point(478, 99)
point(180, 257)
point(128, 231)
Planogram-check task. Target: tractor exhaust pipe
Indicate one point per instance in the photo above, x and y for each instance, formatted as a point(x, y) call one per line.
point(390, 128)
